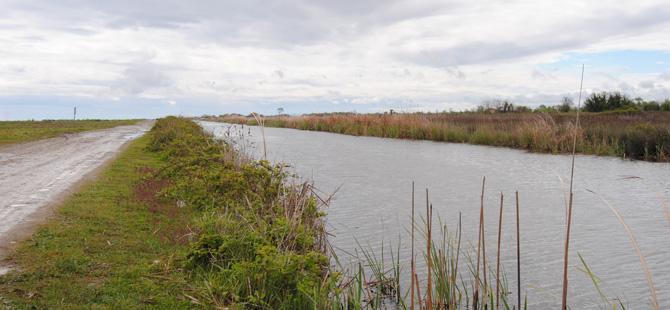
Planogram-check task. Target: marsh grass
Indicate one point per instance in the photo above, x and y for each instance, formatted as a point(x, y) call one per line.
point(12, 132)
point(644, 135)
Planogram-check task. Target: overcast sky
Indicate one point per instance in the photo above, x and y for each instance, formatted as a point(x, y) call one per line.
point(146, 59)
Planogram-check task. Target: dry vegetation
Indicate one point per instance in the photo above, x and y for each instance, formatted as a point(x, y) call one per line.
point(642, 135)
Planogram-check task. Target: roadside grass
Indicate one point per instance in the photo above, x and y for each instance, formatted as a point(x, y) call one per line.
point(12, 132)
point(103, 250)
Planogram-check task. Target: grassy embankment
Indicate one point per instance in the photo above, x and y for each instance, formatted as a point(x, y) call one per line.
point(643, 135)
point(12, 132)
point(178, 221)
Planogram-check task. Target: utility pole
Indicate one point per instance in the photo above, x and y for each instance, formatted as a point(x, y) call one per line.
point(74, 118)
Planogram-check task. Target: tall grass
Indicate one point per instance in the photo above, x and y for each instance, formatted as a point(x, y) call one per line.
point(638, 135)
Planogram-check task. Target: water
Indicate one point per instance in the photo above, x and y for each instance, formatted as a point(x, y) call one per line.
point(373, 178)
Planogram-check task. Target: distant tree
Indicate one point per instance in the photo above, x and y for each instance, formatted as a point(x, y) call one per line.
point(280, 111)
point(507, 106)
point(523, 109)
point(650, 106)
point(618, 101)
point(606, 101)
point(665, 106)
point(566, 104)
point(596, 102)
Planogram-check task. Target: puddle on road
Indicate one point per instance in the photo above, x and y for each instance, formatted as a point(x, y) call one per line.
point(134, 135)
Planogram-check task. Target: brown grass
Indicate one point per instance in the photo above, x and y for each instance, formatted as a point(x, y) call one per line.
point(638, 135)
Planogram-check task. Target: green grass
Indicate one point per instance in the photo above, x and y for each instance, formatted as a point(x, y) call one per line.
point(103, 250)
point(12, 132)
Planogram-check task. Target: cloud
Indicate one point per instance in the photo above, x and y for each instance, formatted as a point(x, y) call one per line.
point(647, 84)
point(542, 75)
point(139, 78)
point(301, 51)
point(366, 100)
point(626, 87)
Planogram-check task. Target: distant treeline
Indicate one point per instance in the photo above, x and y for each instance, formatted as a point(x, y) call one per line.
point(611, 102)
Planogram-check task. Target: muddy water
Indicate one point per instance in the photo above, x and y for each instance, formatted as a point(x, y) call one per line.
point(373, 206)
point(34, 176)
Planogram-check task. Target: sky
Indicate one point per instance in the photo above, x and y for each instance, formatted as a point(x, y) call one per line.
point(147, 59)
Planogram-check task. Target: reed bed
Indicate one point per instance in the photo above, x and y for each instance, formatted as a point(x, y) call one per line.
point(643, 135)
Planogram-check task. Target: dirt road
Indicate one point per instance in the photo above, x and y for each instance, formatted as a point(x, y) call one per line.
point(36, 177)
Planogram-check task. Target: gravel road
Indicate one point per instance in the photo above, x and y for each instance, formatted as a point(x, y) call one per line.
point(35, 177)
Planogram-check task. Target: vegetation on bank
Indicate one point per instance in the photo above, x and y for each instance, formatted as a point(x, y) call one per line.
point(178, 221)
point(12, 132)
point(182, 221)
point(629, 135)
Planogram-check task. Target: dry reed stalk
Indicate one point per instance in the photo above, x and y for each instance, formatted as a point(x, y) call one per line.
point(365, 282)
point(429, 220)
point(412, 260)
point(572, 173)
point(261, 123)
point(458, 252)
point(498, 263)
point(443, 262)
point(518, 253)
point(485, 297)
point(475, 296)
point(637, 249)
point(418, 289)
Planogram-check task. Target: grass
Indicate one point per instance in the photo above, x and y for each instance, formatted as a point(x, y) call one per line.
point(643, 135)
point(103, 250)
point(13, 132)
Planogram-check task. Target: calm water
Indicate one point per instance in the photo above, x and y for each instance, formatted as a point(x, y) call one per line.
point(373, 178)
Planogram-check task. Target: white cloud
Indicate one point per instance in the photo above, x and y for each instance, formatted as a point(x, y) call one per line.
point(300, 52)
point(366, 100)
point(647, 84)
point(138, 78)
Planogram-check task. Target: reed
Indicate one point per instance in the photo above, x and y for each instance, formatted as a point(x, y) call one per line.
point(644, 135)
point(498, 260)
point(412, 262)
point(518, 253)
point(569, 214)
